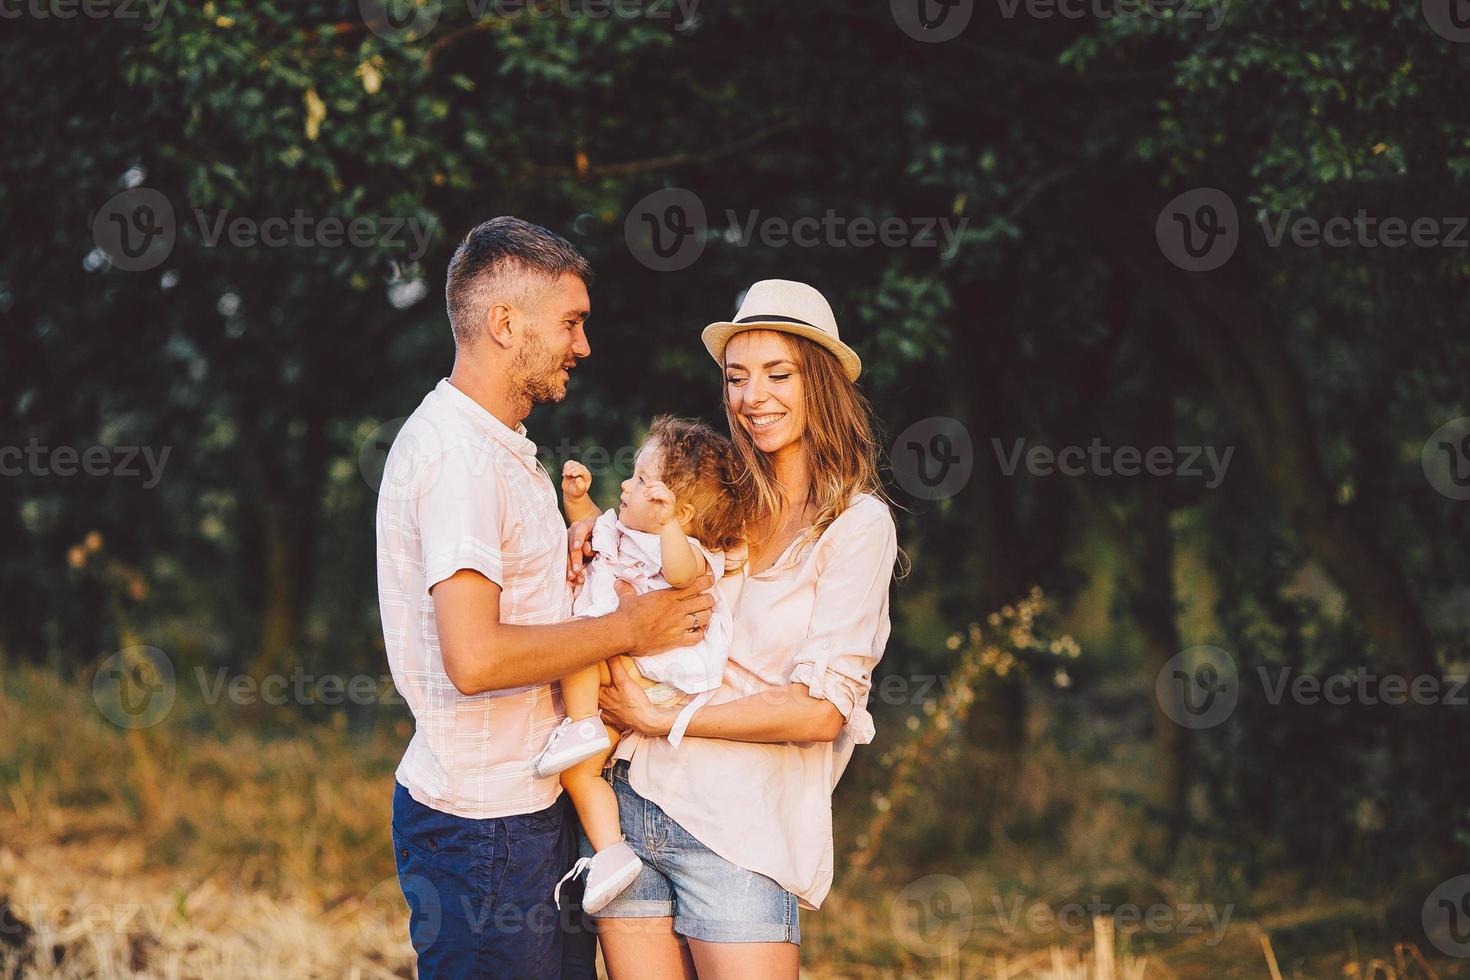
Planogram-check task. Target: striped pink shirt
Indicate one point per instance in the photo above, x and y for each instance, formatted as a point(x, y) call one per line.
point(462, 491)
point(819, 617)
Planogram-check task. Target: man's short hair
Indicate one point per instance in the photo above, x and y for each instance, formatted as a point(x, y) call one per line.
point(498, 262)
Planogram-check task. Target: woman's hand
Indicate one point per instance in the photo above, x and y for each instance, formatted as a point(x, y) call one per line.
point(579, 549)
point(625, 705)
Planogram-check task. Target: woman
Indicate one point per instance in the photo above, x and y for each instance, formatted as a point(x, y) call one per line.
point(734, 827)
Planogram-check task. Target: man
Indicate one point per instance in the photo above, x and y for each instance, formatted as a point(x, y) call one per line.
point(472, 587)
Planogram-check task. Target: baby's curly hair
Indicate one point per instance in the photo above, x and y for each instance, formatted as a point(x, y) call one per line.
point(696, 462)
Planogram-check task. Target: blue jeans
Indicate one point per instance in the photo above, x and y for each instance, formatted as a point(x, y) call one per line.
point(709, 898)
point(479, 893)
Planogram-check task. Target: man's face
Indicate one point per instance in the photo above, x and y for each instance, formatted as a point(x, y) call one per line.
point(554, 339)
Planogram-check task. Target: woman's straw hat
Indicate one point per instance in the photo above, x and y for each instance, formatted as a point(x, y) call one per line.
point(790, 307)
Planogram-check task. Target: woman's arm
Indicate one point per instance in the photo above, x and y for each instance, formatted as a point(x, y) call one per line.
point(785, 714)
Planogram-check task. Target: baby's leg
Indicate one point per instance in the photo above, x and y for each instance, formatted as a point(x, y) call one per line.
point(597, 805)
point(579, 693)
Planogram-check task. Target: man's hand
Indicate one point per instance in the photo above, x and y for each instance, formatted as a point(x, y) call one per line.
point(576, 480)
point(662, 500)
point(666, 618)
point(579, 549)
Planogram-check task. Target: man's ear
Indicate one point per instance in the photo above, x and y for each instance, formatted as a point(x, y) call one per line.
point(499, 324)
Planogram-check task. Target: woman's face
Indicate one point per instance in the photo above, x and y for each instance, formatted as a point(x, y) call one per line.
point(764, 389)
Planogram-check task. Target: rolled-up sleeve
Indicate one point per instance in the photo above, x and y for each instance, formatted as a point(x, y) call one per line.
point(460, 519)
point(849, 624)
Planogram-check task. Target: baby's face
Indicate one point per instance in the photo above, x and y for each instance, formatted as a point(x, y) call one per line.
point(634, 509)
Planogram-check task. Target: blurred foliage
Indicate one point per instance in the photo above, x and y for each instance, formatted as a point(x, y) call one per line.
point(265, 369)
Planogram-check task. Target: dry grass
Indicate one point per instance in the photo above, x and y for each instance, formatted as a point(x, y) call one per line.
point(223, 844)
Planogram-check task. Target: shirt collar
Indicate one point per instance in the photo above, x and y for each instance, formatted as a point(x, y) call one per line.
point(514, 439)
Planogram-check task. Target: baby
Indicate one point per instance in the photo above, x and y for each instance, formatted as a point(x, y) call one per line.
point(677, 518)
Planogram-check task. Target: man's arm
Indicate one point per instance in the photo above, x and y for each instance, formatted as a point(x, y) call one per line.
point(483, 654)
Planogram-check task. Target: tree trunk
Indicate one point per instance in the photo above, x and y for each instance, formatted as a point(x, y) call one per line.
point(1242, 354)
point(1150, 551)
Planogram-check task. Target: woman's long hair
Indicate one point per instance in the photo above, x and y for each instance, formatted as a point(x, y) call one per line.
point(842, 450)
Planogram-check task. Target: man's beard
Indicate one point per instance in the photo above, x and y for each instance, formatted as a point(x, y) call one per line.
point(537, 372)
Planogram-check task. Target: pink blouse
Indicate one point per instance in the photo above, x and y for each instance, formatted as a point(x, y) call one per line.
point(819, 617)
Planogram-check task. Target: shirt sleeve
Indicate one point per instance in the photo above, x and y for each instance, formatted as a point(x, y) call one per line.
point(849, 624)
point(460, 518)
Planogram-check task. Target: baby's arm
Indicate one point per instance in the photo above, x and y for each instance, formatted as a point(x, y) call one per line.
point(576, 481)
point(682, 564)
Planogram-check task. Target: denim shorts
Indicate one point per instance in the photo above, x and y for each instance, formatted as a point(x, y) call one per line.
point(709, 898)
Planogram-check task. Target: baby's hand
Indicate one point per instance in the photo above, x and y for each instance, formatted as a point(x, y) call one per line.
point(662, 499)
point(576, 480)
